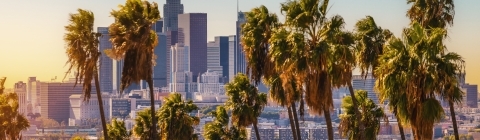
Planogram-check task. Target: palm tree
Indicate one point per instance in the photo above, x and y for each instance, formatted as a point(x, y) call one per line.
point(413, 63)
point(370, 39)
point(83, 55)
point(143, 125)
point(117, 130)
point(432, 13)
point(175, 121)
point(218, 128)
point(245, 102)
point(11, 121)
point(134, 41)
point(371, 115)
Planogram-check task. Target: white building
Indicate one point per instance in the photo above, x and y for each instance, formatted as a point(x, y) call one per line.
point(33, 94)
point(181, 77)
point(209, 88)
point(213, 56)
point(81, 110)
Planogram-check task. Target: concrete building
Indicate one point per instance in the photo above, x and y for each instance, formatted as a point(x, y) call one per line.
point(359, 82)
point(181, 79)
point(21, 89)
point(81, 110)
point(192, 32)
point(213, 57)
point(209, 88)
point(106, 63)
point(33, 93)
point(55, 99)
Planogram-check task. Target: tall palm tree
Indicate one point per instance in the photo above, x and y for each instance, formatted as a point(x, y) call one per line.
point(371, 116)
point(219, 128)
point(83, 55)
point(432, 13)
point(117, 130)
point(413, 62)
point(11, 121)
point(370, 39)
point(245, 102)
point(134, 41)
point(143, 125)
point(175, 121)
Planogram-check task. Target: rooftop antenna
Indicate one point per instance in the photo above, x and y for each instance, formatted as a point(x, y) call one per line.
point(237, 7)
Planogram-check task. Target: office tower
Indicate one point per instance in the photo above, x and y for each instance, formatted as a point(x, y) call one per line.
point(160, 69)
point(470, 98)
point(213, 57)
point(106, 63)
point(221, 42)
point(170, 14)
point(33, 92)
point(240, 60)
point(55, 98)
point(21, 89)
point(158, 26)
point(231, 57)
point(192, 32)
point(80, 111)
point(181, 77)
point(359, 82)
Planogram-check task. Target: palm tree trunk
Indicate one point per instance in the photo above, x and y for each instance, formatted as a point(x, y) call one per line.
point(256, 131)
point(361, 127)
point(100, 104)
point(454, 119)
point(400, 128)
point(328, 119)
point(152, 107)
point(292, 123)
point(295, 118)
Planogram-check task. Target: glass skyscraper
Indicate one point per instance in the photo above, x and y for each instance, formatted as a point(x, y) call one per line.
point(106, 63)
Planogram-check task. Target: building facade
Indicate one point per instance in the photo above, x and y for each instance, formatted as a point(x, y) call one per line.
point(160, 69)
point(55, 97)
point(171, 9)
point(21, 89)
point(192, 32)
point(81, 110)
point(470, 98)
point(359, 82)
point(106, 63)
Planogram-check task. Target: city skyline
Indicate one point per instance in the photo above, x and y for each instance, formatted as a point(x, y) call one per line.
point(32, 45)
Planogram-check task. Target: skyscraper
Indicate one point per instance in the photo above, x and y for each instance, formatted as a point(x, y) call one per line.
point(106, 63)
point(361, 83)
point(470, 98)
point(21, 89)
point(170, 14)
point(240, 60)
point(192, 32)
point(160, 69)
point(217, 56)
point(181, 77)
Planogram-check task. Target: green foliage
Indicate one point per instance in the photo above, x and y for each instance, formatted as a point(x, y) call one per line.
point(143, 125)
point(11, 121)
point(174, 119)
point(371, 116)
point(117, 130)
point(219, 130)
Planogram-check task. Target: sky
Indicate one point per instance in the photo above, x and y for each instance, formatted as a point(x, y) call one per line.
point(31, 32)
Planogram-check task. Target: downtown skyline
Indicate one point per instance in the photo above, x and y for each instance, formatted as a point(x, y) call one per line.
point(32, 31)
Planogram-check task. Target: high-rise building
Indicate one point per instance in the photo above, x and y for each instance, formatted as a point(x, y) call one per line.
point(33, 93)
point(118, 78)
point(192, 32)
point(55, 98)
point(218, 49)
point(171, 9)
point(181, 77)
point(470, 98)
point(240, 60)
point(359, 82)
point(21, 89)
point(106, 63)
point(213, 58)
point(158, 26)
point(160, 69)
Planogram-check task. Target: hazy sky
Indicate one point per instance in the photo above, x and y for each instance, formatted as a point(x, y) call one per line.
point(31, 31)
